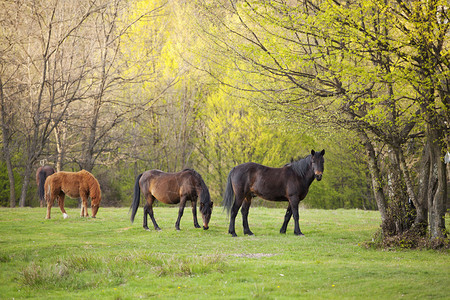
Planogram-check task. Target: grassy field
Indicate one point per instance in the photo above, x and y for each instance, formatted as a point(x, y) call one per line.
point(109, 258)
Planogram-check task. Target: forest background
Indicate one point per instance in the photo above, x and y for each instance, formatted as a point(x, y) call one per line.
point(118, 87)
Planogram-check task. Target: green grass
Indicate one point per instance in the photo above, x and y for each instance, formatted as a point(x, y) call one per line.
point(109, 258)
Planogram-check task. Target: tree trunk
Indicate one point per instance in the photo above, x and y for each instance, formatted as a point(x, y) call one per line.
point(438, 194)
point(375, 174)
point(424, 179)
point(26, 183)
point(6, 149)
point(60, 137)
point(88, 159)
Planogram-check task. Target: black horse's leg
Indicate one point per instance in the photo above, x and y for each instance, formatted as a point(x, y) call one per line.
point(180, 211)
point(287, 217)
point(194, 213)
point(294, 207)
point(234, 211)
point(244, 211)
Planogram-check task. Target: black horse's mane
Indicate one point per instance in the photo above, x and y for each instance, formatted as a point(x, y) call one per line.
point(300, 166)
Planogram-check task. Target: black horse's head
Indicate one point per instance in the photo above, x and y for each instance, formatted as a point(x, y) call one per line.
point(317, 163)
point(206, 210)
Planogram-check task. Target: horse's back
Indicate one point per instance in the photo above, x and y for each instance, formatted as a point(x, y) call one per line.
point(72, 183)
point(45, 171)
point(251, 170)
point(169, 187)
point(256, 179)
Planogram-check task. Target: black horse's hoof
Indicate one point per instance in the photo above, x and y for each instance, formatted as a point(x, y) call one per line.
point(146, 229)
point(197, 226)
point(299, 234)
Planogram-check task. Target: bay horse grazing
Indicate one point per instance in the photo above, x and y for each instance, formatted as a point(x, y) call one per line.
point(41, 174)
point(172, 188)
point(289, 183)
point(73, 184)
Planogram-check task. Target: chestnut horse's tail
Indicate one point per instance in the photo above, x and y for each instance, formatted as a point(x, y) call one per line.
point(136, 198)
point(228, 197)
point(41, 189)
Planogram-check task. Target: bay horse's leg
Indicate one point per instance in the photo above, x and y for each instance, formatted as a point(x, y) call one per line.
point(287, 217)
point(294, 207)
point(148, 209)
point(61, 204)
point(244, 211)
point(183, 200)
point(194, 213)
point(234, 211)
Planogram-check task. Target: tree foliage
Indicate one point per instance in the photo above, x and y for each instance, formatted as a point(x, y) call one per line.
point(377, 68)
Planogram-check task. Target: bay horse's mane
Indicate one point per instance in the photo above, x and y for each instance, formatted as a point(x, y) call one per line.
point(300, 166)
point(205, 199)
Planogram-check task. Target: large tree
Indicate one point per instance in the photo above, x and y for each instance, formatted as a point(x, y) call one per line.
point(378, 68)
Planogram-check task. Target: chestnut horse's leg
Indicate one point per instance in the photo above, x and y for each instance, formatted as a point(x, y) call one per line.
point(183, 200)
point(61, 204)
point(294, 201)
point(50, 200)
point(194, 212)
point(287, 217)
point(234, 211)
point(84, 208)
point(244, 211)
point(148, 209)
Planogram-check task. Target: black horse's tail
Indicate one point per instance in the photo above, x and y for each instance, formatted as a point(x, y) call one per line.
point(136, 198)
point(41, 191)
point(228, 197)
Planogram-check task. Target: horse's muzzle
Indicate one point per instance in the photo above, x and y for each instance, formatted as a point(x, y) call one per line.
point(205, 227)
point(318, 177)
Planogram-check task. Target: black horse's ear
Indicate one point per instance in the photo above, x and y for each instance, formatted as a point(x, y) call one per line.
point(322, 152)
point(312, 152)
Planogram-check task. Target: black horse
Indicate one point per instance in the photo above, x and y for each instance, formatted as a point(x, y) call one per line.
point(41, 174)
point(172, 188)
point(289, 183)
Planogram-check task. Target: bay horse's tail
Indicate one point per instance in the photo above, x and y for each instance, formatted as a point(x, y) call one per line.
point(41, 188)
point(228, 197)
point(136, 198)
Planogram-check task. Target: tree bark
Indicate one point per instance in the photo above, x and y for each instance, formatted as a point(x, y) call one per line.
point(438, 194)
point(6, 148)
point(422, 195)
point(375, 174)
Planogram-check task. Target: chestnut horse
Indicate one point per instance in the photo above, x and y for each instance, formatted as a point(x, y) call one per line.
point(41, 174)
point(289, 183)
point(73, 184)
point(172, 188)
